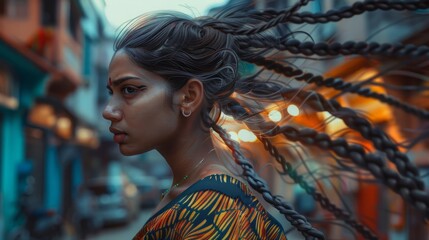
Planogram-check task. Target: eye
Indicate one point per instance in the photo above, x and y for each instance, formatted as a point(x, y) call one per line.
point(130, 90)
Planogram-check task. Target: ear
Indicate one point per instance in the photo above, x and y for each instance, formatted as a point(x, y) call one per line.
point(191, 96)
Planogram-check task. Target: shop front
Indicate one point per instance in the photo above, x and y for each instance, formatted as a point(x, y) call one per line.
point(59, 146)
point(22, 78)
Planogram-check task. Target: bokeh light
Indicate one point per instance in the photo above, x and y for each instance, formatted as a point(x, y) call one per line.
point(275, 115)
point(293, 110)
point(246, 135)
point(234, 136)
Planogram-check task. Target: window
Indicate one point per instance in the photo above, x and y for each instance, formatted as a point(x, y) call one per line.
point(5, 82)
point(35, 145)
point(49, 12)
point(2, 7)
point(74, 18)
point(16, 8)
point(8, 88)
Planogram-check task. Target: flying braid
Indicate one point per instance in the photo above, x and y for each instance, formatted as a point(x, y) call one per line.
point(280, 17)
point(369, 161)
point(337, 84)
point(408, 188)
point(297, 220)
point(379, 139)
point(239, 112)
point(334, 49)
point(356, 9)
point(320, 198)
point(273, 18)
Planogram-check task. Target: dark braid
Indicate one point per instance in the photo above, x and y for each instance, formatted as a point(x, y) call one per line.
point(273, 18)
point(410, 188)
point(337, 84)
point(237, 110)
point(280, 17)
point(320, 198)
point(369, 161)
point(379, 139)
point(334, 49)
point(297, 220)
point(356, 9)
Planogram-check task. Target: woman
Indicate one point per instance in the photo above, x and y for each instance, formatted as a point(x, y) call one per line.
point(170, 78)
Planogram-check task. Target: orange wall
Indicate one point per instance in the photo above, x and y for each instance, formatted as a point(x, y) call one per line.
point(22, 29)
point(65, 40)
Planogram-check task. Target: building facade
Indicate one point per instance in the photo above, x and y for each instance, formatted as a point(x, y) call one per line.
point(49, 66)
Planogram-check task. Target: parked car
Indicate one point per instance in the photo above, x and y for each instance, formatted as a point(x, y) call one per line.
point(117, 199)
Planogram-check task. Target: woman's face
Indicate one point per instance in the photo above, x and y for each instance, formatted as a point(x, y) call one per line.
point(140, 110)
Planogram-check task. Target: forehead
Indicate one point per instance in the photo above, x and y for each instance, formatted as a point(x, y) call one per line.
point(122, 66)
point(121, 62)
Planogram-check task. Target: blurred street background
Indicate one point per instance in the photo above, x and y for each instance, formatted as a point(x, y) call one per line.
point(122, 232)
point(60, 167)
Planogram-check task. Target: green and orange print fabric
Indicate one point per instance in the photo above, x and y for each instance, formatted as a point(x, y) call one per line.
point(216, 207)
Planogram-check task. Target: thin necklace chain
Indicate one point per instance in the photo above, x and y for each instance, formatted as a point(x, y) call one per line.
point(186, 176)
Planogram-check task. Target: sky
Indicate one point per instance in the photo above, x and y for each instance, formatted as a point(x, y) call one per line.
point(119, 11)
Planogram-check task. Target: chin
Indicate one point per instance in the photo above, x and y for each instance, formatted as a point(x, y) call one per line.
point(127, 151)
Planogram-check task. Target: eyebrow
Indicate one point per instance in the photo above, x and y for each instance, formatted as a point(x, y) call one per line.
point(118, 81)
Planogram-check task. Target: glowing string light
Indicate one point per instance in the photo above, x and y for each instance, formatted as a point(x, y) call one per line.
point(293, 110)
point(275, 115)
point(246, 135)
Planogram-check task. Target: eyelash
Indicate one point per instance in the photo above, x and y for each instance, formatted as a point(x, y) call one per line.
point(135, 89)
point(126, 90)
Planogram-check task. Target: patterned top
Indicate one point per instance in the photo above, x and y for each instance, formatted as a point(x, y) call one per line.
point(215, 207)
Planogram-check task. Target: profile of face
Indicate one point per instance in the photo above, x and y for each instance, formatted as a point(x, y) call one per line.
point(140, 109)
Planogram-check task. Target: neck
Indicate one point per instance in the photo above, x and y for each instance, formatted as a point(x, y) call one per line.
point(185, 152)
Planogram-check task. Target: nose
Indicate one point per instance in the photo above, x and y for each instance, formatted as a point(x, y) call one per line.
point(112, 113)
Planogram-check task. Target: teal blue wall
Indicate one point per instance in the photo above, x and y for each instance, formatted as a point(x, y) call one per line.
point(53, 179)
point(30, 81)
point(77, 175)
point(13, 152)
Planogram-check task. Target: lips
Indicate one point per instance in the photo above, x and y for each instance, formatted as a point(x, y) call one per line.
point(119, 136)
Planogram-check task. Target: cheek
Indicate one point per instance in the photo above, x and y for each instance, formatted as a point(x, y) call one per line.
point(154, 123)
